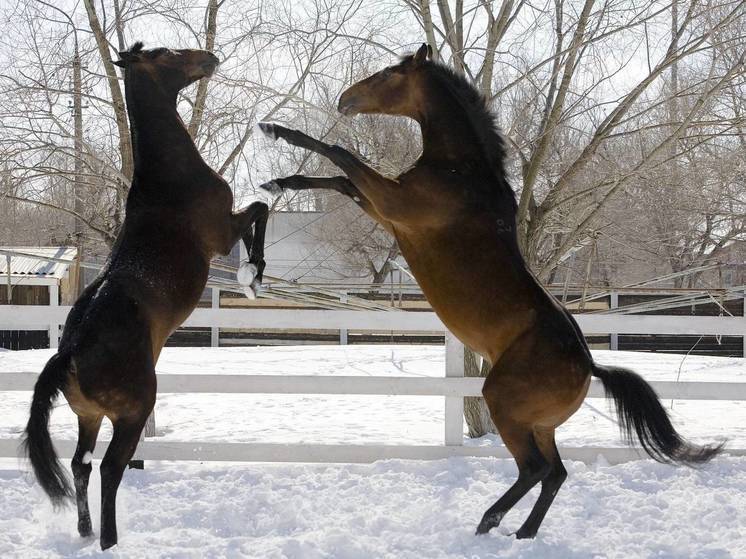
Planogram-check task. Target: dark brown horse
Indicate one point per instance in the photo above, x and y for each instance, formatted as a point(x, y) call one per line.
point(179, 215)
point(453, 214)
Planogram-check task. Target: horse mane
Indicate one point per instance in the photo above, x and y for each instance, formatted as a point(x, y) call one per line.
point(136, 48)
point(482, 120)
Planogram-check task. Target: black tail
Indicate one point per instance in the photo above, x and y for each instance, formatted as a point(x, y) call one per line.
point(640, 412)
point(37, 443)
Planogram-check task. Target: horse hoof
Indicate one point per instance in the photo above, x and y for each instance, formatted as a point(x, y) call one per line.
point(106, 544)
point(246, 273)
point(482, 529)
point(273, 187)
point(524, 535)
point(85, 530)
point(256, 288)
point(268, 129)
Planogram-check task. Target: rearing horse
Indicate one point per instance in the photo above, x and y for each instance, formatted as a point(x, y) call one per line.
point(453, 214)
point(179, 215)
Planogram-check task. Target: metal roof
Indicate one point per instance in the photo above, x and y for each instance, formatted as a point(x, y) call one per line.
point(28, 266)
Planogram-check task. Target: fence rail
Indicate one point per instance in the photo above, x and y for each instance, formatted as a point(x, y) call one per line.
point(175, 383)
point(453, 386)
point(37, 317)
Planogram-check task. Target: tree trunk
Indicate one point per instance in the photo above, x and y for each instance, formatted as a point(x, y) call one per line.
point(120, 112)
point(80, 191)
point(475, 409)
point(201, 98)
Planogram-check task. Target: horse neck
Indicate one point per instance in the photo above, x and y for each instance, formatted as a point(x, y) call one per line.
point(159, 137)
point(447, 134)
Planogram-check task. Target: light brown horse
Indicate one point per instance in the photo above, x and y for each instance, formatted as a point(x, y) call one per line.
point(453, 214)
point(179, 215)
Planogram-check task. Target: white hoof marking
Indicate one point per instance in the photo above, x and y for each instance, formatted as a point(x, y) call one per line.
point(246, 273)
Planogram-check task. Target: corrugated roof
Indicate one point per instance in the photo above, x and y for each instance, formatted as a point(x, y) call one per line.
point(25, 266)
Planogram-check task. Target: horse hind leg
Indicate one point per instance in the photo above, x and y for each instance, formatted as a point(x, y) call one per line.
point(121, 448)
point(532, 468)
point(88, 428)
point(550, 485)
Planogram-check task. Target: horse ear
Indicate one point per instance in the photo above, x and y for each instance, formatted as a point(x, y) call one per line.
point(120, 63)
point(421, 55)
point(429, 51)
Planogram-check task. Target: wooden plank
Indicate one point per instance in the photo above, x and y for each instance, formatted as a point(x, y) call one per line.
point(661, 324)
point(380, 386)
point(54, 326)
point(319, 453)
point(27, 317)
point(454, 406)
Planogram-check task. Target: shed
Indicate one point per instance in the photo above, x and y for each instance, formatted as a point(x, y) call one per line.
point(35, 276)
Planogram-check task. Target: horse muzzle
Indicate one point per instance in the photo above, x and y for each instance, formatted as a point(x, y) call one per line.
point(348, 105)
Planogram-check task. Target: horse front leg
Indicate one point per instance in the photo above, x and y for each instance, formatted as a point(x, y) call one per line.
point(385, 195)
point(343, 185)
point(250, 225)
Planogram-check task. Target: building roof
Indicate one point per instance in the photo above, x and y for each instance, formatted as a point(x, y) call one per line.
point(22, 265)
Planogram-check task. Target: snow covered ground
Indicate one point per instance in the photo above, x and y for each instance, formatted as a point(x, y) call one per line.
point(391, 508)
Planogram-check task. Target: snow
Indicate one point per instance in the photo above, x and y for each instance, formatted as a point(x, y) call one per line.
point(393, 508)
point(398, 509)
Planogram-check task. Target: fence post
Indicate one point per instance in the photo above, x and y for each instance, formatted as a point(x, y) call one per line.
point(215, 330)
point(343, 331)
point(10, 279)
point(614, 304)
point(743, 354)
point(54, 329)
point(454, 409)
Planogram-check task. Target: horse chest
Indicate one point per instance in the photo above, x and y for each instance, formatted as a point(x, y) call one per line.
point(474, 292)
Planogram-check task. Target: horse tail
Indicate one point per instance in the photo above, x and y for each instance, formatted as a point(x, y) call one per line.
point(37, 442)
point(640, 412)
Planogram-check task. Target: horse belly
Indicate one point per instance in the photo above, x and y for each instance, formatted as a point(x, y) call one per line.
point(475, 295)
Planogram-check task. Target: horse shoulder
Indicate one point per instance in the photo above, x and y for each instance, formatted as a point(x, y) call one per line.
point(438, 192)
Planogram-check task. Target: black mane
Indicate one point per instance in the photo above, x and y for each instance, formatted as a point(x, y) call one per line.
point(136, 48)
point(482, 121)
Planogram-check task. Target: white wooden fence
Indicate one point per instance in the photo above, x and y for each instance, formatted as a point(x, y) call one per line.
point(453, 386)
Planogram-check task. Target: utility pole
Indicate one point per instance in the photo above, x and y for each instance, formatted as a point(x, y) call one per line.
point(77, 109)
point(79, 190)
